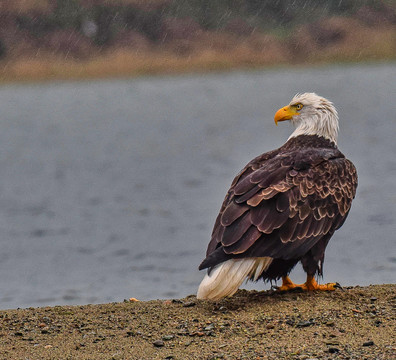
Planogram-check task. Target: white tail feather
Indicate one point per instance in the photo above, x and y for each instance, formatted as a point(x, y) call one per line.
point(226, 278)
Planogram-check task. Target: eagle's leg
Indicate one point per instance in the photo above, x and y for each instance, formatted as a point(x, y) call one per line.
point(309, 285)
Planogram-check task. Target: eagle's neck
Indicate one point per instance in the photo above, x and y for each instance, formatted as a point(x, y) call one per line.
point(323, 124)
point(311, 141)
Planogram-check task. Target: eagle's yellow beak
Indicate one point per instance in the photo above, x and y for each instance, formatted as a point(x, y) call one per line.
point(285, 113)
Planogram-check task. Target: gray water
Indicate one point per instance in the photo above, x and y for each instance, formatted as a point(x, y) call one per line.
point(109, 189)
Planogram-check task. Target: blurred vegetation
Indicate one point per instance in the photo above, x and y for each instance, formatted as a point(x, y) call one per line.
point(85, 29)
point(147, 16)
point(214, 14)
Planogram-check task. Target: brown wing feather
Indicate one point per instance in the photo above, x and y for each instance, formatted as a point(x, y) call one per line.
point(282, 203)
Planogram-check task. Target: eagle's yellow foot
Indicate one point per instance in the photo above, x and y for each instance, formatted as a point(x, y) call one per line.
point(287, 284)
point(309, 285)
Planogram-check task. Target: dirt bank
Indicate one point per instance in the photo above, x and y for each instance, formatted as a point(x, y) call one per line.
point(357, 323)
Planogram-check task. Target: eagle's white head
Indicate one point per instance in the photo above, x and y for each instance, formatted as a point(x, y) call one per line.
point(311, 115)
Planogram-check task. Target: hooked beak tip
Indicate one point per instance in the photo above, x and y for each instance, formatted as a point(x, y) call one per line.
point(283, 114)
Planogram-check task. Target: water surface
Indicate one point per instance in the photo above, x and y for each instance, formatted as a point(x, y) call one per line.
point(109, 189)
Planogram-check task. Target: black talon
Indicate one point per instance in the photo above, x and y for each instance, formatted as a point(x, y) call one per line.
point(338, 286)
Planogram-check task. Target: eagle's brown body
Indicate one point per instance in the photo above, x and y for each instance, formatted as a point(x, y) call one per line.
point(285, 205)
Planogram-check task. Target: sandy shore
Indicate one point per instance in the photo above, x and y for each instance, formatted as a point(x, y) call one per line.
point(357, 323)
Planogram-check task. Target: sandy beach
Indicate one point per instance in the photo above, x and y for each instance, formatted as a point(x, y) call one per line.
point(354, 323)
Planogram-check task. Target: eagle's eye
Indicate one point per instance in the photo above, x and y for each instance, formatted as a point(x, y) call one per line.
point(299, 106)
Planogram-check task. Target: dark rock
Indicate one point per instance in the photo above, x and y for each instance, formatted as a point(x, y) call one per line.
point(189, 304)
point(368, 343)
point(158, 343)
point(304, 323)
point(333, 350)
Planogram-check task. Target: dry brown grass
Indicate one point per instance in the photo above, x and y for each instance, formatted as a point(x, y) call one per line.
point(24, 5)
point(359, 43)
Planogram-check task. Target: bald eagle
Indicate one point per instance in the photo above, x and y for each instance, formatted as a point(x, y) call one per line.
point(283, 207)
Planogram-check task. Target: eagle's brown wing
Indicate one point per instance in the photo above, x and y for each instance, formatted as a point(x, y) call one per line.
point(282, 204)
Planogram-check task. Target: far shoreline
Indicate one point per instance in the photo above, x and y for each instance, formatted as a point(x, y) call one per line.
point(185, 72)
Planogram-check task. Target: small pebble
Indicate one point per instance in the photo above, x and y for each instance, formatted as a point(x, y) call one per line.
point(158, 343)
point(304, 323)
point(368, 343)
point(189, 304)
point(333, 350)
point(197, 333)
point(332, 342)
point(209, 327)
point(168, 337)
